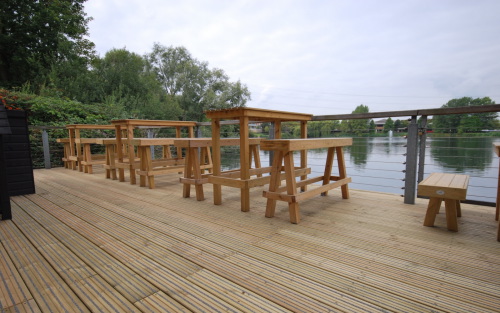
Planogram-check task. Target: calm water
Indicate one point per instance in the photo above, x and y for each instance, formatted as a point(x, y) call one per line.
point(377, 163)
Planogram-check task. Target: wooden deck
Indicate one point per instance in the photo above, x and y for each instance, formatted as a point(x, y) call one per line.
point(86, 244)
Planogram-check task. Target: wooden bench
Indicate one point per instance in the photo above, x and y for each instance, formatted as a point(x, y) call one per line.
point(89, 159)
point(66, 151)
point(284, 149)
point(195, 165)
point(448, 187)
point(150, 167)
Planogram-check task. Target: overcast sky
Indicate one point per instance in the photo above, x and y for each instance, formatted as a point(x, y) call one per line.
point(322, 56)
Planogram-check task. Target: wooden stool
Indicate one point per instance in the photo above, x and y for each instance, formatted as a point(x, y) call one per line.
point(448, 187)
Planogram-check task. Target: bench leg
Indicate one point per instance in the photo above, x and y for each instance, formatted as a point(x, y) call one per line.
point(432, 210)
point(342, 171)
point(274, 182)
point(196, 173)
point(291, 187)
point(451, 214)
point(328, 168)
point(186, 188)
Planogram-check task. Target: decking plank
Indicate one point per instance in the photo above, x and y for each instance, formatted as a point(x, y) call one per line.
point(387, 299)
point(48, 289)
point(346, 255)
point(14, 294)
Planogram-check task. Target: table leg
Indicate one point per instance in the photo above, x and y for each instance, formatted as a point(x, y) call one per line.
point(274, 182)
point(112, 166)
point(188, 167)
point(244, 162)
point(216, 159)
point(291, 187)
point(197, 174)
point(342, 171)
point(328, 168)
point(143, 166)
point(131, 154)
point(87, 168)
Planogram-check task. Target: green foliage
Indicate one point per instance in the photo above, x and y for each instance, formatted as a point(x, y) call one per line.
point(460, 123)
point(389, 125)
point(52, 111)
point(37, 36)
point(192, 85)
point(319, 129)
point(359, 126)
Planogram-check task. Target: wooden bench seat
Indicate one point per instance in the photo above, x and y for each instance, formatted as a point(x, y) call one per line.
point(195, 165)
point(66, 152)
point(450, 188)
point(283, 149)
point(149, 167)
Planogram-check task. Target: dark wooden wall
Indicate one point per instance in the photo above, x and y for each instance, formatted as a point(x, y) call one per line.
point(18, 155)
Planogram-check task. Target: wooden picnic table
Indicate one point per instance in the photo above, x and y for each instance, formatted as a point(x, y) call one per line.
point(242, 178)
point(75, 156)
point(197, 162)
point(125, 134)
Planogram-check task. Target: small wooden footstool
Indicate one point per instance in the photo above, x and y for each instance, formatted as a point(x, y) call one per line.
point(448, 187)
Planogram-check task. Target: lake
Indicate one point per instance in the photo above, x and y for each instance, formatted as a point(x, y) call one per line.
point(377, 163)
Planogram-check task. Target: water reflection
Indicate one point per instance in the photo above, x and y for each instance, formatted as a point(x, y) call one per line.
point(359, 151)
point(462, 154)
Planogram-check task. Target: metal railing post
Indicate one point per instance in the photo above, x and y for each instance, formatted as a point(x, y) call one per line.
point(421, 155)
point(411, 162)
point(46, 149)
point(151, 135)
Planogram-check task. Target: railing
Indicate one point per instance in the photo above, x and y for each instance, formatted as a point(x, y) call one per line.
point(388, 175)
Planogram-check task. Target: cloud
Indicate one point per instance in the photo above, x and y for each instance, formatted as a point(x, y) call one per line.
point(322, 57)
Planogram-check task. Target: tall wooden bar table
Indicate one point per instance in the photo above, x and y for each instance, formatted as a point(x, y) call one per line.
point(246, 116)
point(497, 151)
point(125, 134)
point(75, 148)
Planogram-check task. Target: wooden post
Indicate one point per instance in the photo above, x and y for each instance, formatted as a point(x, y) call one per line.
point(216, 155)
point(411, 162)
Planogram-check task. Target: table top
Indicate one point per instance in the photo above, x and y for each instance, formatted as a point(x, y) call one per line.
point(303, 144)
point(258, 115)
point(161, 123)
point(89, 126)
point(152, 141)
point(207, 142)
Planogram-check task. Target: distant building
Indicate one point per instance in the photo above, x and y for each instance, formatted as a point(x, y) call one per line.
point(255, 127)
point(379, 125)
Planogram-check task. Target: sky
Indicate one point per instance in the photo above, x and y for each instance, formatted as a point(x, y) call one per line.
point(322, 57)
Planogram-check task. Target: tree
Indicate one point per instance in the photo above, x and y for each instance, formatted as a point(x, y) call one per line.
point(36, 36)
point(360, 125)
point(192, 84)
point(372, 126)
point(389, 125)
point(465, 122)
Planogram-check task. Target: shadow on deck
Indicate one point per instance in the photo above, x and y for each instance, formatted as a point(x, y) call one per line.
point(83, 243)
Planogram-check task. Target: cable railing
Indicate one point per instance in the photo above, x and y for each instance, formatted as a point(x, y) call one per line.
point(376, 161)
